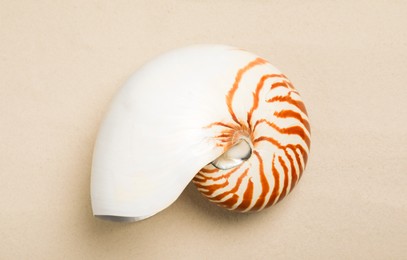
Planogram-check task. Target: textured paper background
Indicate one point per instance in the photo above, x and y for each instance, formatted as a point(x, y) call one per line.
point(62, 61)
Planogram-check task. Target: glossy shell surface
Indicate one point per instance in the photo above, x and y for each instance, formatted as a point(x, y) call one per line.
point(220, 116)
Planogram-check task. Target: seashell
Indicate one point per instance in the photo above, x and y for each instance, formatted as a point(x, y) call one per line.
point(217, 115)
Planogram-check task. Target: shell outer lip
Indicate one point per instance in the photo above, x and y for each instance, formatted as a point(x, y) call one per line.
point(123, 219)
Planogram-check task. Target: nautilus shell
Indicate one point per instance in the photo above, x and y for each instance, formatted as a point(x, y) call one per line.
point(217, 115)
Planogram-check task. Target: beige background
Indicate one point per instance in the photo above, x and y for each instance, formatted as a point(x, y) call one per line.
point(62, 61)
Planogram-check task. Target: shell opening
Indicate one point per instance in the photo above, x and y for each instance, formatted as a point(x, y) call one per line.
point(235, 156)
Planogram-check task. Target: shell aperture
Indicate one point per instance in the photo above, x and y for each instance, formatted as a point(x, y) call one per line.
point(219, 116)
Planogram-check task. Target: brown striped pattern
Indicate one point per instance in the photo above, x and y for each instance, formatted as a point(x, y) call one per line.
point(276, 123)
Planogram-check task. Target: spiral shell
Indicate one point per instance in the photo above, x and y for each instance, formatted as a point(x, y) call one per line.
point(217, 115)
point(276, 124)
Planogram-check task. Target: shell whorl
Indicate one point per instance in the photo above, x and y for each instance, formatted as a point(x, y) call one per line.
point(275, 123)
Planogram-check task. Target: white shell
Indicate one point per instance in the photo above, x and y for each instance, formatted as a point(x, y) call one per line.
point(158, 134)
